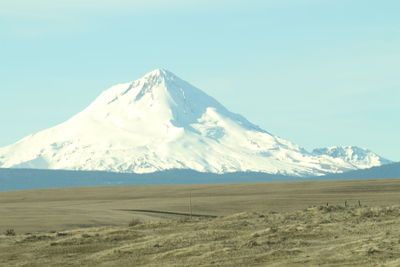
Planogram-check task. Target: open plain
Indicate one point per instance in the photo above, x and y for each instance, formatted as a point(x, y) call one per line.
point(332, 223)
point(70, 208)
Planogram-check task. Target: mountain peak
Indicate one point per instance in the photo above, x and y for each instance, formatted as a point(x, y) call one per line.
point(160, 73)
point(158, 82)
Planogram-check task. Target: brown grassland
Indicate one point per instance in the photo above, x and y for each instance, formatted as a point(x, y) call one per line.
point(254, 224)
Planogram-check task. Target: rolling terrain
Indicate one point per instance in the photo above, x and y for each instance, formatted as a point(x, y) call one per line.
point(263, 224)
point(69, 208)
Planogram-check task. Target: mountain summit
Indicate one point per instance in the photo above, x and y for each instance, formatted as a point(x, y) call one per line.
point(161, 122)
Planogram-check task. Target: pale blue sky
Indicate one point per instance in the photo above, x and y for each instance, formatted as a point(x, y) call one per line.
point(316, 72)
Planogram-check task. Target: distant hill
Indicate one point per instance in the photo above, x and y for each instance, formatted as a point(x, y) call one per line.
point(21, 179)
point(384, 171)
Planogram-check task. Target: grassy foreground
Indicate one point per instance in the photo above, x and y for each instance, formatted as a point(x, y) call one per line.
point(316, 236)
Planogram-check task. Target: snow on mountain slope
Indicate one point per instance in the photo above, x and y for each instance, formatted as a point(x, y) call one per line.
point(360, 158)
point(161, 122)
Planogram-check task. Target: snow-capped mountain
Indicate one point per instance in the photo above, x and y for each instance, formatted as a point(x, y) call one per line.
point(360, 158)
point(161, 122)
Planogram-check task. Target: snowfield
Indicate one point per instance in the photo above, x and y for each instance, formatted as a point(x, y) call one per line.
point(161, 122)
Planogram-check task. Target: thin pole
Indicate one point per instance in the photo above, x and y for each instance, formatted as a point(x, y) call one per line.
point(190, 204)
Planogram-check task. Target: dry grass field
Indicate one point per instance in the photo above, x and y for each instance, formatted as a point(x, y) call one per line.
point(265, 224)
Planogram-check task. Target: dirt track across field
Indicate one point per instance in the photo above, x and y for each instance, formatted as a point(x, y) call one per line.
point(70, 208)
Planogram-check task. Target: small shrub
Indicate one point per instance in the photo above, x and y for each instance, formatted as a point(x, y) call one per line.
point(274, 229)
point(325, 221)
point(390, 211)
point(184, 219)
point(9, 232)
point(251, 244)
point(331, 208)
point(61, 234)
point(255, 235)
point(368, 214)
point(371, 251)
point(134, 222)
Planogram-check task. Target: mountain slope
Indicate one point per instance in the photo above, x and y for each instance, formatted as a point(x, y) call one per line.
point(161, 122)
point(360, 158)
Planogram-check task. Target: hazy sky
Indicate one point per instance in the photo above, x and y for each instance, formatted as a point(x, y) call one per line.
point(315, 72)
